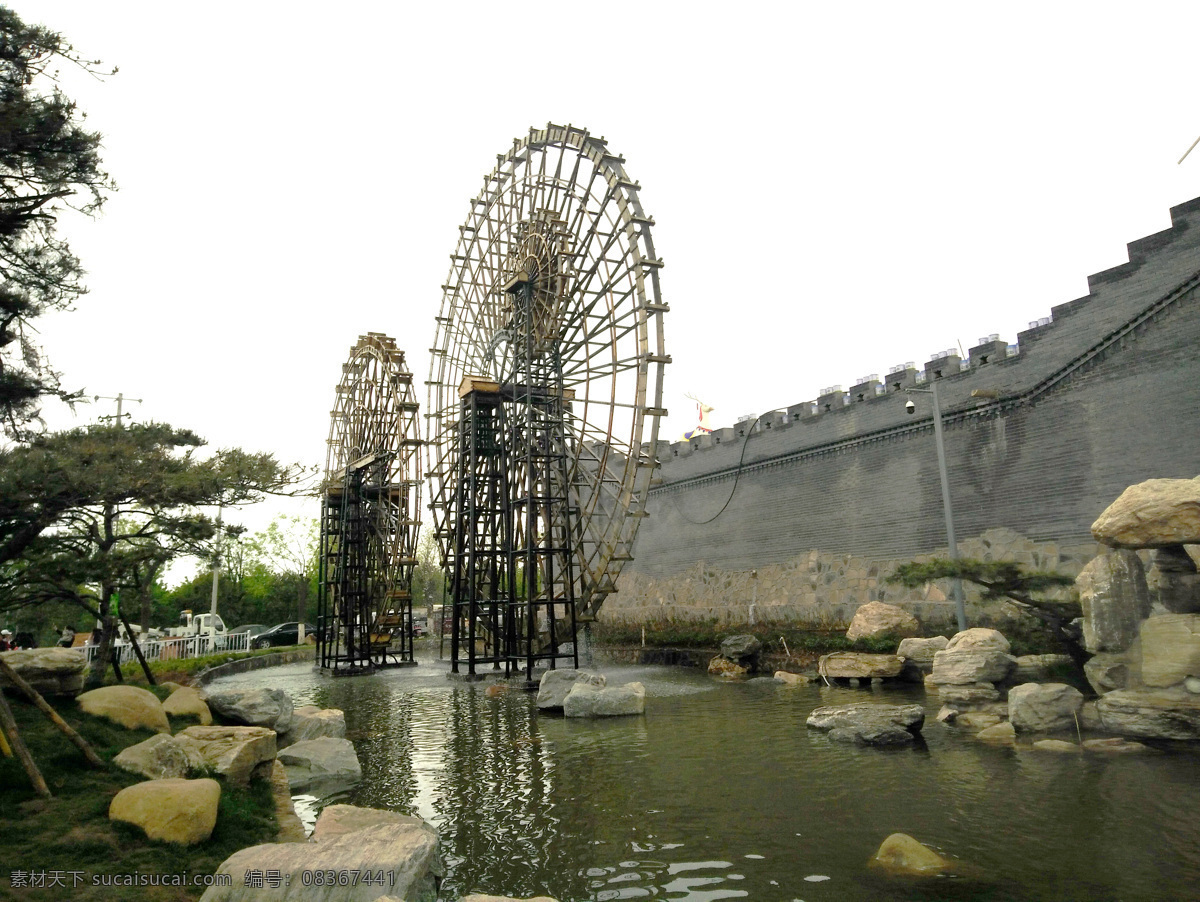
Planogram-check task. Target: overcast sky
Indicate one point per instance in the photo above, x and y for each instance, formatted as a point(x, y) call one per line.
point(837, 187)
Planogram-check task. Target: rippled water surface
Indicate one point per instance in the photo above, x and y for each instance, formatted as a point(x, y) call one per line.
point(721, 792)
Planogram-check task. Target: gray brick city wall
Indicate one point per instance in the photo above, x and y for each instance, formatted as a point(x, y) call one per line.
point(1105, 395)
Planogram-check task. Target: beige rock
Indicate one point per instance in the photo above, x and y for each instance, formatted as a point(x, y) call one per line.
point(338, 820)
point(1044, 707)
point(1114, 746)
point(160, 757)
point(901, 854)
point(585, 700)
point(1113, 593)
point(1170, 649)
point(1001, 733)
point(187, 702)
point(963, 695)
point(51, 671)
point(718, 666)
point(876, 619)
point(922, 651)
point(970, 665)
point(127, 706)
point(976, 720)
point(857, 665)
point(232, 751)
point(324, 761)
point(310, 722)
point(979, 638)
point(178, 811)
point(791, 679)
point(1106, 672)
point(1172, 713)
point(1152, 514)
point(409, 852)
point(1056, 745)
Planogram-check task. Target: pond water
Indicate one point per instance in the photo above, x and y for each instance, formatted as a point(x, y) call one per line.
point(720, 791)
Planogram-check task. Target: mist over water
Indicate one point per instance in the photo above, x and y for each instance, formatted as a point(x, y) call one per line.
point(720, 791)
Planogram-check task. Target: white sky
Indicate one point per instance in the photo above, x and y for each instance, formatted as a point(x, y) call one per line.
point(837, 187)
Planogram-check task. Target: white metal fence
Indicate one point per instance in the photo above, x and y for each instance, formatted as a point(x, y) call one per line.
point(176, 648)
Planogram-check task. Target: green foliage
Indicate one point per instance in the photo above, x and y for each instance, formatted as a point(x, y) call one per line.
point(429, 584)
point(999, 579)
point(48, 161)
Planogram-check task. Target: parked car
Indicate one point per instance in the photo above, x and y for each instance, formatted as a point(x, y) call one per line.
point(252, 628)
point(282, 634)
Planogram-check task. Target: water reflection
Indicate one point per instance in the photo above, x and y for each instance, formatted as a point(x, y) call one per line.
point(720, 791)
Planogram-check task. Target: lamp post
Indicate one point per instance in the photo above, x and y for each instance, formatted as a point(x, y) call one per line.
point(956, 591)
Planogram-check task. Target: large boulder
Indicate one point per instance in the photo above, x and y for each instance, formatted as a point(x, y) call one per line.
point(1152, 514)
point(721, 666)
point(233, 752)
point(176, 811)
point(127, 706)
point(743, 648)
point(555, 685)
point(869, 723)
point(900, 854)
point(188, 702)
point(1151, 713)
point(271, 708)
point(311, 722)
point(921, 651)
point(585, 700)
point(853, 665)
point(321, 763)
point(970, 665)
point(1173, 581)
point(876, 619)
point(406, 854)
point(1170, 649)
point(338, 820)
point(160, 757)
point(51, 671)
point(979, 638)
point(1115, 600)
point(1043, 707)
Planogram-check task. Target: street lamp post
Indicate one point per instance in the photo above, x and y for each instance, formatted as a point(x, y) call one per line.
point(956, 591)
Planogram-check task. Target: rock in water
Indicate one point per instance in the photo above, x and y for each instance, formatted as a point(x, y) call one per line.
point(327, 760)
point(847, 665)
point(271, 708)
point(901, 854)
point(585, 700)
point(178, 811)
point(1152, 514)
point(1043, 707)
point(869, 723)
point(1151, 713)
point(922, 650)
point(311, 722)
point(960, 666)
point(556, 684)
point(406, 855)
point(743, 650)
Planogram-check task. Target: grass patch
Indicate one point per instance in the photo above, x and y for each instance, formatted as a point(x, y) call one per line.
point(71, 835)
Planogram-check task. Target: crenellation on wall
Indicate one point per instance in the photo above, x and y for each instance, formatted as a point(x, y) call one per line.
point(1042, 440)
